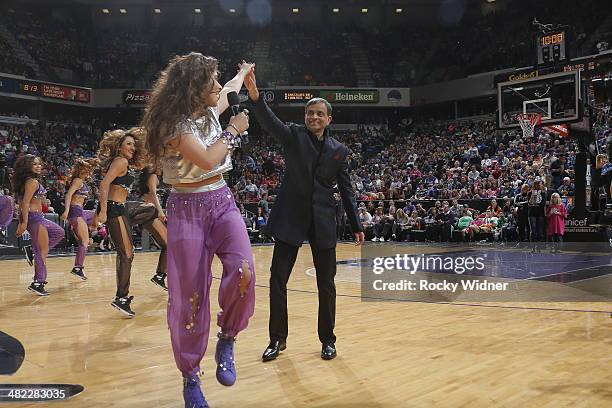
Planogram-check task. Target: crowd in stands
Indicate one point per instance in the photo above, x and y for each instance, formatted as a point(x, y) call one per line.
point(10, 62)
point(56, 143)
point(53, 44)
point(299, 54)
point(312, 58)
point(413, 180)
point(437, 173)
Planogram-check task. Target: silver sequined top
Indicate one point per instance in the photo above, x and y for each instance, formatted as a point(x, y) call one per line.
point(207, 130)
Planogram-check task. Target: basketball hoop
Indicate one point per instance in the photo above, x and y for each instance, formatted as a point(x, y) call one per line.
point(528, 122)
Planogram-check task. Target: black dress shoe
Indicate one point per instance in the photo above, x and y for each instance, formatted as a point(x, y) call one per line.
point(273, 350)
point(328, 351)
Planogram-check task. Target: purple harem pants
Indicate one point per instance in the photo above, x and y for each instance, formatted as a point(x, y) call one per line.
point(55, 234)
point(74, 213)
point(201, 225)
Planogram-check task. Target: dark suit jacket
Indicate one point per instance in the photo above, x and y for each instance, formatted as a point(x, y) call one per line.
point(306, 193)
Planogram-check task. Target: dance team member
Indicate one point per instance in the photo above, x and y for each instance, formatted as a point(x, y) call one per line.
point(150, 216)
point(120, 153)
point(45, 234)
point(79, 218)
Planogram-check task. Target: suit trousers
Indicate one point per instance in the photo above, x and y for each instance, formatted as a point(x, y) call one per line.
point(283, 260)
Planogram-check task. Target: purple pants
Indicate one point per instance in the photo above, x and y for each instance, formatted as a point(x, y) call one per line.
point(55, 233)
point(201, 225)
point(7, 204)
point(74, 213)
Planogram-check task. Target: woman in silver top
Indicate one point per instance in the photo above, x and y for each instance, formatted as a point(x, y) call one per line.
point(183, 132)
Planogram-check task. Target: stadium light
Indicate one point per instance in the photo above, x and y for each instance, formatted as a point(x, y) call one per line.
point(198, 11)
point(123, 11)
point(106, 11)
point(336, 10)
point(232, 10)
point(364, 10)
point(296, 10)
point(157, 11)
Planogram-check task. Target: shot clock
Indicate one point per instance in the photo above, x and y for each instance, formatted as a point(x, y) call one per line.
point(551, 47)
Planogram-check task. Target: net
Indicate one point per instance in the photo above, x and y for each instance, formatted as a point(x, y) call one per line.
point(528, 122)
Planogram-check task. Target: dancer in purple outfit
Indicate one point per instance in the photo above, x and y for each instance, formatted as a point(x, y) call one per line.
point(79, 218)
point(183, 130)
point(45, 234)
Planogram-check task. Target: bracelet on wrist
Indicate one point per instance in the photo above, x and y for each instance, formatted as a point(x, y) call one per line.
point(235, 128)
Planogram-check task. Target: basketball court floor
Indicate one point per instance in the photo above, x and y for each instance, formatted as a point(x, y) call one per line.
point(390, 354)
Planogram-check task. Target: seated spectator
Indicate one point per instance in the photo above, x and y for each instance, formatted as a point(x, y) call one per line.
point(510, 226)
point(566, 188)
point(259, 221)
point(366, 221)
point(379, 225)
point(463, 225)
point(494, 210)
point(401, 226)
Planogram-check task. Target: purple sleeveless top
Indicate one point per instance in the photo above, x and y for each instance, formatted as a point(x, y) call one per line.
point(41, 192)
point(83, 191)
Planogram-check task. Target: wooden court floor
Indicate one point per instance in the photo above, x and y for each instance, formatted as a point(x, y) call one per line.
point(390, 354)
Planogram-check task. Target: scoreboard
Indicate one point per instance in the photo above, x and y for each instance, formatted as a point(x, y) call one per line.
point(551, 47)
point(55, 91)
point(45, 89)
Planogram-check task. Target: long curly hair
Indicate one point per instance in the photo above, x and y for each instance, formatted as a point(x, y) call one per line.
point(110, 146)
point(22, 171)
point(177, 94)
point(81, 165)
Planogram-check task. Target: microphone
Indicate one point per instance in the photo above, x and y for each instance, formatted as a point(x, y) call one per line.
point(234, 102)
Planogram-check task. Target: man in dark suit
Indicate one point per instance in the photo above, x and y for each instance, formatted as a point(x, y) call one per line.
point(305, 209)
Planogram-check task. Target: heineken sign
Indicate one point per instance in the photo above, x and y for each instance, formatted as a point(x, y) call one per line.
point(350, 95)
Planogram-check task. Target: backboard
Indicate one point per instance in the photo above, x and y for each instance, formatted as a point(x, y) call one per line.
point(555, 96)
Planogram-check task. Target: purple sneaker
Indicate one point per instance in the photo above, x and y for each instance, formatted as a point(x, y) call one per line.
point(224, 356)
point(192, 394)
